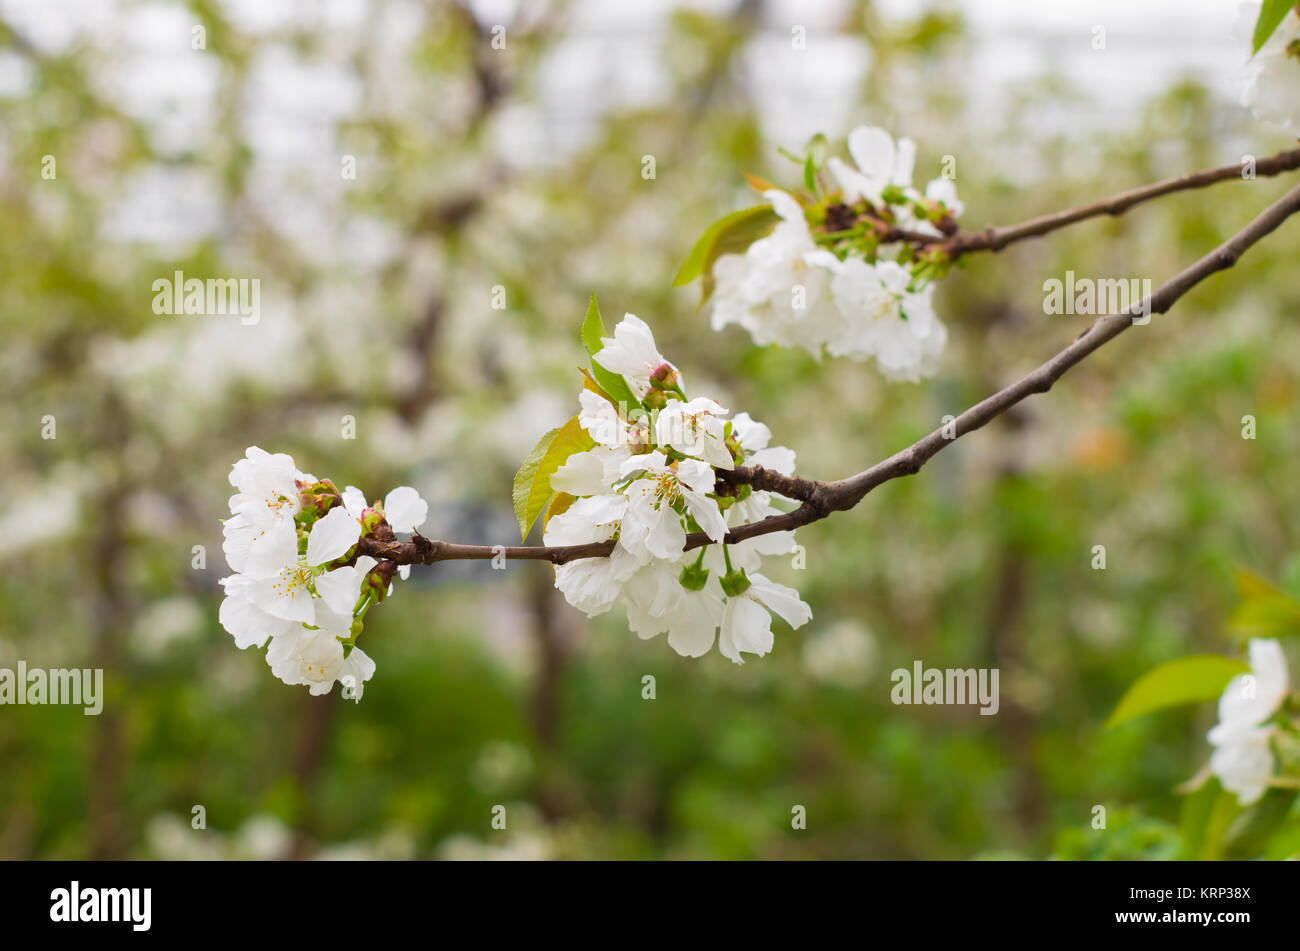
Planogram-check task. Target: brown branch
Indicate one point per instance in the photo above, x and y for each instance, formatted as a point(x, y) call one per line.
point(995, 239)
point(818, 499)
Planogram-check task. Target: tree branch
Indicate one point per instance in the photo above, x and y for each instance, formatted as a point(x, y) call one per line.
point(819, 499)
point(995, 239)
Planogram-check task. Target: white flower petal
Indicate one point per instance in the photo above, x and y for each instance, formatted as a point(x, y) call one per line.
point(404, 509)
point(746, 628)
point(340, 588)
point(780, 599)
point(332, 536)
point(354, 501)
point(872, 149)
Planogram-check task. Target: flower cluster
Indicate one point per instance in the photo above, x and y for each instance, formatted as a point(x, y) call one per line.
point(1271, 79)
point(291, 542)
point(1244, 736)
point(849, 269)
point(647, 481)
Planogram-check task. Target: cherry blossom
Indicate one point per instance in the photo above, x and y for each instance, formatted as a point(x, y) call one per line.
point(1243, 757)
point(296, 582)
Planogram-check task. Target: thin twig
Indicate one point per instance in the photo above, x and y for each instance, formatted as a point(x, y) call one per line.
point(995, 239)
point(819, 499)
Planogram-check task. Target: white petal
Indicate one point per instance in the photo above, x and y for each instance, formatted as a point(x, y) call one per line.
point(853, 183)
point(872, 149)
point(332, 536)
point(355, 670)
point(340, 589)
point(777, 458)
point(404, 509)
point(261, 552)
point(651, 461)
point(583, 473)
point(665, 537)
point(277, 597)
point(752, 434)
point(1244, 764)
point(354, 500)
point(785, 205)
point(781, 599)
point(696, 475)
point(746, 628)
point(592, 519)
point(705, 512)
point(904, 161)
point(693, 626)
point(247, 623)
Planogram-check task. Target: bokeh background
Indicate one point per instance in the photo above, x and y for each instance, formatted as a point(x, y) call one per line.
point(522, 168)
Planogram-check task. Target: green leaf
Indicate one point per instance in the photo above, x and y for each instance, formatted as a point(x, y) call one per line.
point(1186, 680)
point(1265, 610)
point(611, 385)
point(1271, 14)
point(1250, 832)
point(810, 174)
point(818, 149)
point(532, 486)
point(558, 505)
point(1207, 816)
point(1195, 818)
point(593, 327)
point(730, 235)
point(1251, 585)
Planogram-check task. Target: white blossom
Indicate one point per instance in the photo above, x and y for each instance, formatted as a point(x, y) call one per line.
point(267, 489)
point(754, 437)
point(747, 618)
point(315, 658)
point(880, 163)
point(657, 602)
point(1243, 757)
point(641, 490)
point(652, 522)
point(695, 428)
point(295, 589)
point(283, 588)
point(779, 289)
point(1270, 80)
point(632, 353)
point(888, 321)
point(592, 584)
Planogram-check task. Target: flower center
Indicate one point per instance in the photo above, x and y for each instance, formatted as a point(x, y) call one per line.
point(292, 579)
point(278, 503)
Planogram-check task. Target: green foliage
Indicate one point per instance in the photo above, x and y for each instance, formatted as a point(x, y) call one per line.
point(1207, 815)
point(1265, 610)
point(1186, 680)
point(1271, 15)
point(612, 386)
point(730, 235)
point(1128, 836)
point(532, 486)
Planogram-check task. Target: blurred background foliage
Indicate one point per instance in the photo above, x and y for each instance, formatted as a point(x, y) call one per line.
point(522, 168)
